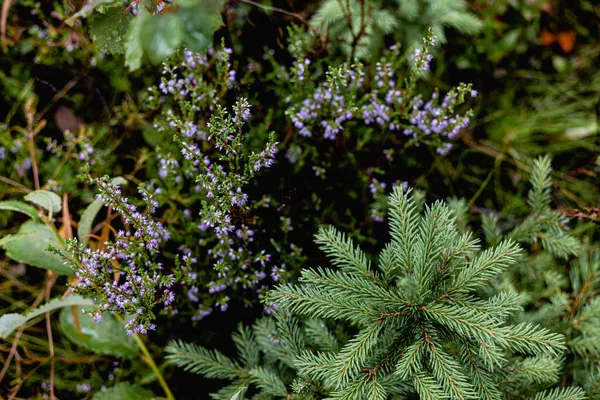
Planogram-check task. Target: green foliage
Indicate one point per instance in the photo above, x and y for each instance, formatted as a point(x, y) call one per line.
point(161, 35)
point(109, 30)
point(106, 337)
point(49, 201)
point(360, 26)
point(543, 224)
point(10, 322)
point(19, 206)
point(156, 31)
point(124, 391)
point(29, 246)
point(69, 106)
point(266, 352)
point(422, 327)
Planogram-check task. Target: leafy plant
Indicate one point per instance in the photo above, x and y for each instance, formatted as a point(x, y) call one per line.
point(156, 30)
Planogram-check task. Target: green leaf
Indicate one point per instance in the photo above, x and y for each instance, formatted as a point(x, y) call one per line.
point(199, 25)
point(109, 30)
point(105, 337)
point(45, 199)
point(10, 322)
point(133, 47)
point(124, 391)
point(28, 246)
point(87, 219)
point(161, 35)
point(19, 206)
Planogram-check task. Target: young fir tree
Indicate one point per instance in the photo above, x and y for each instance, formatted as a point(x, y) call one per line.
point(422, 329)
point(559, 295)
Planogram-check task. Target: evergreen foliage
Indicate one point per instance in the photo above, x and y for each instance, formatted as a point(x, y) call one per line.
point(421, 325)
point(560, 281)
point(361, 25)
point(543, 224)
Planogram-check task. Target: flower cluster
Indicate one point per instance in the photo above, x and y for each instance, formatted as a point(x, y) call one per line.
point(329, 106)
point(223, 182)
point(122, 275)
point(214, 161)
point(440, 119)
point(383, 98)
point(421, 58)
point(182, 81)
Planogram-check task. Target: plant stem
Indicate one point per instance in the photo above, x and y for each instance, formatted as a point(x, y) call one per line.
point(147, 358)
point(275, 9)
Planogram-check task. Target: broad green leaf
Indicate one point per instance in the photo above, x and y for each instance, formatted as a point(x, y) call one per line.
point(28, 246)
point(105, 337)
point(161, 35)
point(45, 199)
point(10, 322)
point(124, 391)
point(19, 206)
point(134, 51)
point(87, 220)
point(109, 30)
point(199, 26)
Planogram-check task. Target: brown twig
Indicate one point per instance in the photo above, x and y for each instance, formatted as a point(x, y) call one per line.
point(3, 18)
point(592, 214)
point(66, 229)
point(31, 144)
point(16, 389)
point(60, 94)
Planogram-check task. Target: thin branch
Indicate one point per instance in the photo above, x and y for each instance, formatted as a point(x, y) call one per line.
point(31, 144)
point(276, 9)
point(16, 389)
point(3, 18)
point(61, 93)
point(15, 184)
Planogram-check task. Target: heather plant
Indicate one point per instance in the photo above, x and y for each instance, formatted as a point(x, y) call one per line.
point(156, 182)
point(387, 100)
point(124, 276)
point(422, 327)
point(39, 243)
point(209, 154)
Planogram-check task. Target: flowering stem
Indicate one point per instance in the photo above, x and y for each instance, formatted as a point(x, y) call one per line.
point(147, 358)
